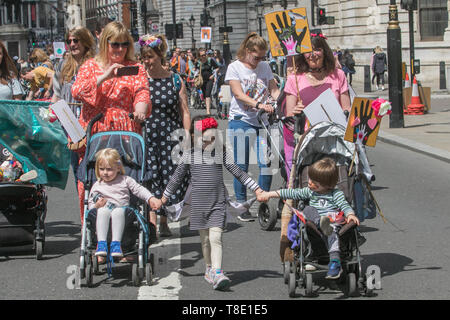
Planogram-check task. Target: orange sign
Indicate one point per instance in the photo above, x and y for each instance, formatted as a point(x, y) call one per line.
point(205, 34)
point(288, 32)
point(363, 125)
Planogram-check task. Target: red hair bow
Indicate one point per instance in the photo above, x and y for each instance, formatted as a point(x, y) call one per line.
point(319, 35)
point(207, 123)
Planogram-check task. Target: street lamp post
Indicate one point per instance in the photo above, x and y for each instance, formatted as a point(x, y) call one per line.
point(226, 42)
point(394, 47)
point(191, 25)
point(259, 10)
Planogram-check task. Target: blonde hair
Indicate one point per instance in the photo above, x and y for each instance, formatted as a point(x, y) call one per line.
point(160, 50)
point(378, 49)
point(324, 172)
point(114, 30)
point(252, 43)
point(109, 156)
point(71, 66)
point(39, 56)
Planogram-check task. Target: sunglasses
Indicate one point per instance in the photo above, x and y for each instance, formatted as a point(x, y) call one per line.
point(262, 58)
point(317, 52)
point(69, 41)
point(116, 45)
point(203, 55)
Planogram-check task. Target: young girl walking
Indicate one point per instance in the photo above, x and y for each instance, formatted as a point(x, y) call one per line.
point(110, 195)
point(208, 204)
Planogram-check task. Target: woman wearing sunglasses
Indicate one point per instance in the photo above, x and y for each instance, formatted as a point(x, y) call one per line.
point(81, 45)
point(252, 83)
point(102, 89)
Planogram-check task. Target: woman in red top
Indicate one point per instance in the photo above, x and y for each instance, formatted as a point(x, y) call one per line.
point(102, 90)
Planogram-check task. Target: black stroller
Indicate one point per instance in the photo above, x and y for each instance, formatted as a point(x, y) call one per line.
point(136, 236)
point(23, 207)
point(327, 139)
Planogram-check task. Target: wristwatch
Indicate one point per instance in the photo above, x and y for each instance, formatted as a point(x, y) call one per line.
point(257, 105)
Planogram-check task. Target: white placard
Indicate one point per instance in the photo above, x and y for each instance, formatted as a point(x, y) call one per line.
point(68, 120)
point(325, 108)
point(59, 48)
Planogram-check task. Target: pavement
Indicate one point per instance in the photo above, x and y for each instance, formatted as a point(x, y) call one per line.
point(428, 134)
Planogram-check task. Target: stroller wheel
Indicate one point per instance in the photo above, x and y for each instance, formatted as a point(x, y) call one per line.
point(89, 275)
point(352, 288)
point(308, 285)
point(267, 216)
point(149, 274)
point(292, 285)
point(39, 248)
point(135, 275)
point(286, 271)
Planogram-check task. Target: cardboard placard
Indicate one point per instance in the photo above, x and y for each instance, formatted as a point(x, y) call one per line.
point(288, 32)
point(205, 34)
point(325, 108)
point(68, 120)
point(363, 125)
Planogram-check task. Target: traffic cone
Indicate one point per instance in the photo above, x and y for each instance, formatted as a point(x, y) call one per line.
point(407, 81)
point(415, 107)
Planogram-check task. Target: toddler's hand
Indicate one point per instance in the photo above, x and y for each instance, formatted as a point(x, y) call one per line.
point(263, 196)
point(353, 218)
point(100, 203)
point(155, 203)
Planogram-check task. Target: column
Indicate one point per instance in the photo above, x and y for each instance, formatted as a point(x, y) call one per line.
point(447, 31)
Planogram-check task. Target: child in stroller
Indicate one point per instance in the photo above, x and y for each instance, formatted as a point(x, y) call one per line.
point(110, 194)
point(328, 208)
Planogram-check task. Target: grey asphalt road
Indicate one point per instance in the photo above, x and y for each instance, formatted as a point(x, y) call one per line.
point(411, 189)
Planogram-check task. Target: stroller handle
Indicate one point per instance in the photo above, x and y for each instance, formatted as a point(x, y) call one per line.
point(91, 123)
point(299, 126)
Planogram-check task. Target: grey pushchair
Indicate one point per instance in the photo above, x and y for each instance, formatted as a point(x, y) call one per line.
point(138, 231)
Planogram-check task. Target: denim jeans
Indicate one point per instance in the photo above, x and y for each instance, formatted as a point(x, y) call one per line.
point(241, 135)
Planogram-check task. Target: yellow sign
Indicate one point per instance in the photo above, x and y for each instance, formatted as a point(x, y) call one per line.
point(288, 32)
point(363, 125)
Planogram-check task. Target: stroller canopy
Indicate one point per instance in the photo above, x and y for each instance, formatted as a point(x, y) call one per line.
point(36, 143)
point(131, 147)
point(325, 138)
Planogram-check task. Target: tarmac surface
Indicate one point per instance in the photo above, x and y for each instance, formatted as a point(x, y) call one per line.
point(428, 134)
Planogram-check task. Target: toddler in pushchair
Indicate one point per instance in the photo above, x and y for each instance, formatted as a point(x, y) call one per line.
point(23, 206)
point(113, 171)
point(324, 234)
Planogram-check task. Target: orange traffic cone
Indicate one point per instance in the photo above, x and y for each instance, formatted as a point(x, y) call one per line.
point(407, 81)
point(415, 106)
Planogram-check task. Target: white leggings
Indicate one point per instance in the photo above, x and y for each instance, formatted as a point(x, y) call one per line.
point(211, 240)
point(117, 216)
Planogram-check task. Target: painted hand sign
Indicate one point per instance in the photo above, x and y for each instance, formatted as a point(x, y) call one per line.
point(363, 124)
point(288, 32)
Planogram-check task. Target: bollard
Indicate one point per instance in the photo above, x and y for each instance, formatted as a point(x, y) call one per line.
point(442, 80)
point(367, 84)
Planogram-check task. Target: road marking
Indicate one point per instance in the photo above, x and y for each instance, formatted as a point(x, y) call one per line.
point(167, 279)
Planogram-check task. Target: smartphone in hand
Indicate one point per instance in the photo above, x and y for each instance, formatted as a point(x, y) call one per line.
point(128, 71)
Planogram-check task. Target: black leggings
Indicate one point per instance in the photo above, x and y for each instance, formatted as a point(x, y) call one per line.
point(380, 76)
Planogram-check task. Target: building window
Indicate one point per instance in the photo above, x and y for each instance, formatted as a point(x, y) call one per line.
point(433, 19)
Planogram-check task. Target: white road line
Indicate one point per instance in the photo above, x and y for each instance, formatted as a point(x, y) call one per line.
point(166, 280)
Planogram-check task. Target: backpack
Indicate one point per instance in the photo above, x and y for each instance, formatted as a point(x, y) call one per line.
point(350, 62)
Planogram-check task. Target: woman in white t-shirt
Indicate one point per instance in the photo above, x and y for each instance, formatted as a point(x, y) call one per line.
point(252, 83)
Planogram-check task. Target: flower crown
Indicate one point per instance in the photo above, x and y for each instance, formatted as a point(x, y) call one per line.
point(149, 41)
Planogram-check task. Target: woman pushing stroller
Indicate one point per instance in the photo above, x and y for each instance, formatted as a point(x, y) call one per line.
point(328, 209)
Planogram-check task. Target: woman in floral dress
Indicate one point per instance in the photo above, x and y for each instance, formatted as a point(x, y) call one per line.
point(101, 90)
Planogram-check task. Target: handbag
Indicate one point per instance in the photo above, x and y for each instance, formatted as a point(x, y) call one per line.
point(198, 79)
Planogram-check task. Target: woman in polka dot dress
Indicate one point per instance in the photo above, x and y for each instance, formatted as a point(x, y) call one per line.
point(170, 115)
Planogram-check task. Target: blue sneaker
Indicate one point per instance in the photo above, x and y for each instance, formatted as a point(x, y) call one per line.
point(334, 270)
point(102, 249)
point(116, 250)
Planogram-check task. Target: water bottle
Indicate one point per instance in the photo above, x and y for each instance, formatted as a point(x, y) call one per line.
point(108, 204)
